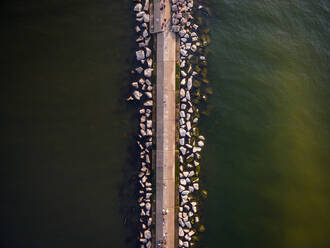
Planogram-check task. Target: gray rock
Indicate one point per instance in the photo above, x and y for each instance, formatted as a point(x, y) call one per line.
point(138, 7)
point(183, 52)
point(183, 81)
point(148, 103)
point(139, 70)
point(149, 62)
point(137, 95)
point(193, 48)
point(189, 83)
point(183, 150)
point(145, 33)
point(182, 132)
point(140, 55)
point(148, 72)
point(200, 143)
point(146, 18)
point(181, 233)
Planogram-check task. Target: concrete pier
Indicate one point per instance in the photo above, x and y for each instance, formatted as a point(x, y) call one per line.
point(165, 127)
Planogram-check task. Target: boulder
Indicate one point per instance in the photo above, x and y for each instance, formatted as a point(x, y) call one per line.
point(189, 83)
point(196, 186)
point(193, 48)
point(148, 72)
point(148, 103)
point(183, 81)
point(182, 93)
point(139, 70)
point(146, 18)
point(183, 182)
point(137, 94)
point(140, 55)
point(181, 233)
point(145, 33)
point(149, 62)
point(183, 52)
point(183, 150)
point(148, 94)
point(200, 143)
point(137, 29)
point(182, 132)
point(182, 32)
point(138, 7)
point(148, 52)
point(183, 73)
point(135, 85)
point(146, 5)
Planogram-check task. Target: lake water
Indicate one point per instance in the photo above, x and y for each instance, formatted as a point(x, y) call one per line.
point(267, 162)
point(67, 135)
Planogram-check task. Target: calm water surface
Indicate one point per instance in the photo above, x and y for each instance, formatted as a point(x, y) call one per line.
point(267, 162)
point(66, 130)
point(67, 136)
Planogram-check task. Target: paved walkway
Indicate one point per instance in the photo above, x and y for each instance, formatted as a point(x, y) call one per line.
point(165, 132)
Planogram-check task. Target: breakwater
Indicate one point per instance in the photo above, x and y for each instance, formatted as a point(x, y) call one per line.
point(176, 27)
point(192, 73)
point(142, 95)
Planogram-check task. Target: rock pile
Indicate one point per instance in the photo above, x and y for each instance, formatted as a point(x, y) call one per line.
point(190, 142)
point(142, 94)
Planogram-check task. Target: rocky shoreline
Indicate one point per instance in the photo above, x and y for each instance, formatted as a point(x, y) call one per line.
point(192, 60)
point(192, 70)
point(142, 94)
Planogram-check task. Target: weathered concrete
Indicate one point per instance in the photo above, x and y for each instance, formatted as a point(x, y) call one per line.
point(165, 129)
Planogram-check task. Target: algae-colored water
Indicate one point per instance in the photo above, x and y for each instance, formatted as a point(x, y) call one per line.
point(267, 162)
point(67, 137)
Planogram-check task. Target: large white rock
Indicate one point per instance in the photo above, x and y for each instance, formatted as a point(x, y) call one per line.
point(148, 94)
point(148, 72)
point(182, 93)
point(137, 94)
point(196, 186)
point(148, 52)
point(183, 52)
point(188, 95)
point(149, 62)
point(147, 234)
point(188, 125)
point(146, 18)
point(182, 132)
point(183, 150)
point(183, 81)
point(189, 83)
point(138, 7)
point(181, 233)
point(148, 103)
point(183, 182)
point(196, 149)
point(182, 32)
point(182, 141)
point(193, 48)
point(182, 114)
point(145, 33)
point(200, 143)
point(140, 55)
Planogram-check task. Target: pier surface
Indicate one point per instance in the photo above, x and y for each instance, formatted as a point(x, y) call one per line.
point(165, 128)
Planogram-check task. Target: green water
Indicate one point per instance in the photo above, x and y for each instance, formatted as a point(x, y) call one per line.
point(67, 137)
point(267, 162)
point(66, 132)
